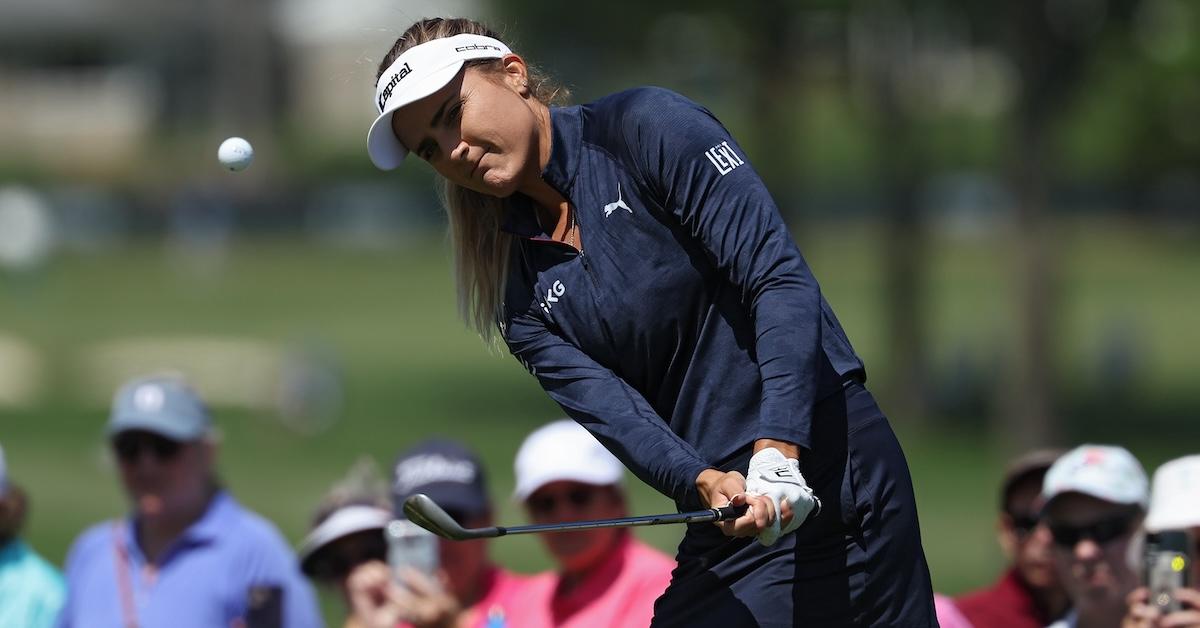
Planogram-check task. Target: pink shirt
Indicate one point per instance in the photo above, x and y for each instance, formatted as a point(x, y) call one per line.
point(948, 615)
point(501, 601)
point(496, 607)
point(620, 593)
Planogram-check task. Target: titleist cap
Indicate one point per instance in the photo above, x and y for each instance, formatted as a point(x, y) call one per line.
point(415, 74)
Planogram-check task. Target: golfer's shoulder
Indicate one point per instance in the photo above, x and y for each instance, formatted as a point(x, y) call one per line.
point(649, 126)
point(637, 113)
point(642, 103)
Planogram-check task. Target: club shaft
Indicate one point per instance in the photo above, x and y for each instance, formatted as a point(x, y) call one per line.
point(698, 516)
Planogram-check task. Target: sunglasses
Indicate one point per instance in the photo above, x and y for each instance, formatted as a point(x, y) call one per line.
point(130, 446)
point(1023, 525)
point(1101, 532)
point(577, 498)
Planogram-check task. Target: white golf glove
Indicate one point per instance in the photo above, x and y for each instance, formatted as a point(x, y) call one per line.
point(772, 475)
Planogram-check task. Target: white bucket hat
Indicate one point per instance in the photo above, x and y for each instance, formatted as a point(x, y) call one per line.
point(1101, 471)
point(1175, 496)
point(415, 74)
point(563, 450)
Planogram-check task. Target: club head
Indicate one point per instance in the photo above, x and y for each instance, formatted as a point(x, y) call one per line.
point(424, 512)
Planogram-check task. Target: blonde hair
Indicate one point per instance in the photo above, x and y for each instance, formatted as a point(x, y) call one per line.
point(481, 249)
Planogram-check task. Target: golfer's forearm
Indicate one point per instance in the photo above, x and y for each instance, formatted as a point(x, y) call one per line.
point(706, 484)
point(790, 450)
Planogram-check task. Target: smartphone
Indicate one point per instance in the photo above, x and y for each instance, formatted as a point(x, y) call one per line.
point(1167, 565)
point(411, 546)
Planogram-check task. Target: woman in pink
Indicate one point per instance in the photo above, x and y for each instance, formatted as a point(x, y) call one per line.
point(605, 576)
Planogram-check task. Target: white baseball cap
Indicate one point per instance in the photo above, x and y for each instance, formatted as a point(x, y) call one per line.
point(415, 74)
point(1175, 498)
point(563, 450)
point(1102, 471)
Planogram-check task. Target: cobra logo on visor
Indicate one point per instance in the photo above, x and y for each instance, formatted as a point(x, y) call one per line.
point(478, 47)
point(386, 94)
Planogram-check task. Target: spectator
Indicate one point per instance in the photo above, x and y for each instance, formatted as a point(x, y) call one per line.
point(948, 615)
point(469, 589)
point(1174, 505)
point(347, 531)
point(188, 554)
point(605, 577)
point(1028, 594)
point(1096, 497)
point(31, 590)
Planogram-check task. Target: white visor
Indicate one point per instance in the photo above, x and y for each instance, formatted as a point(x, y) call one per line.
point(417, 73)
point(342, 523)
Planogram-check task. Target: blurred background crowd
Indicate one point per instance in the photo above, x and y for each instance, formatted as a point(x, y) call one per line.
point(1001, 200)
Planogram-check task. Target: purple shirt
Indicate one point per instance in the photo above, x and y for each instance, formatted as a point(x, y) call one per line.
point(207, 577)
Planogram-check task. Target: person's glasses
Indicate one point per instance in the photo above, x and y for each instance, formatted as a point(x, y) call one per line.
point(1103, 531)
point(1023, 524)
point(131, 445)
point(577, 498)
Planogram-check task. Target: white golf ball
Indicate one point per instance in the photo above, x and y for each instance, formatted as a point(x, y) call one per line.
point(235, 153)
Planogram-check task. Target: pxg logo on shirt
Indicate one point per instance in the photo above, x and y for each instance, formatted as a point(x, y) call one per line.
point(552, 294)
point(386, 94)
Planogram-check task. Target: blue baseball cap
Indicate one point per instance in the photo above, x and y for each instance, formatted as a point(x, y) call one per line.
point(444, 470)
point(162, 405)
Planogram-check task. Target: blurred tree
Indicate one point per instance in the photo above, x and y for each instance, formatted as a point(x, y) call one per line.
point(1051, 43)
point(887, 67)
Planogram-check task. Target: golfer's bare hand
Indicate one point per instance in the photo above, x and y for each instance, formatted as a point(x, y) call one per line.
point(373, 595)
point(729, 488)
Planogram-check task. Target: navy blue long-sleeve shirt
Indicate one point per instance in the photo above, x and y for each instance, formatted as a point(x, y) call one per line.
point(689, 325)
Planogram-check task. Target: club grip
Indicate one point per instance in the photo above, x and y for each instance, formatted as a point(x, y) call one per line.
point(726, 513)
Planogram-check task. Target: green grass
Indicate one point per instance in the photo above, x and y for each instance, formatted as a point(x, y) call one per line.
point(412, 370)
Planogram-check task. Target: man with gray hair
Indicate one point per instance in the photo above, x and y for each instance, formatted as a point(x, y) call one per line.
point(1096, 497)
point(188, 554)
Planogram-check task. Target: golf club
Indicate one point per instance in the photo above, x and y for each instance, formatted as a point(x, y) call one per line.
point(424, 512)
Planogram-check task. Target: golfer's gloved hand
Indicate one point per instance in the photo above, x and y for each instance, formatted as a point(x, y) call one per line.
point(777, 477)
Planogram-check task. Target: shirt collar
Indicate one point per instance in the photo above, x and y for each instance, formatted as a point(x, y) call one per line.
point(600, 577)
point(566, 126)
point(12, 551)
point(521, 220)
point(566, 141)
point(216, 518)
point(208, 528)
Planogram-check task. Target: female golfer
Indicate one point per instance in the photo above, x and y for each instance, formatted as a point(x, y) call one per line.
point(633, 261)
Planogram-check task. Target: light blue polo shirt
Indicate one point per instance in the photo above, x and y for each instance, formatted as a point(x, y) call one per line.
point(31, 589)
point(207, 577)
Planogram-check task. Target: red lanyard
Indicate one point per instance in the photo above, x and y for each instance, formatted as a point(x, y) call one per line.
point(124, 581)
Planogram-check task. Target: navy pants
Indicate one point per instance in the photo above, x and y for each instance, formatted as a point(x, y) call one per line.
point(858, 563)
